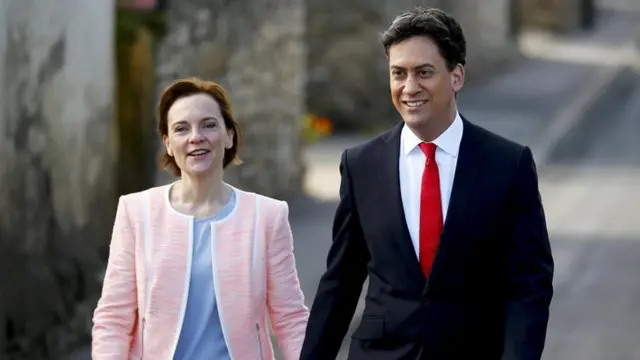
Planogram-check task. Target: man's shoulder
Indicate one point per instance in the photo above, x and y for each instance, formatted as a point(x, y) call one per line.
point(495, 144)
point(369, 147)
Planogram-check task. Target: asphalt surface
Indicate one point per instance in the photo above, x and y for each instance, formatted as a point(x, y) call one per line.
point(592, 198)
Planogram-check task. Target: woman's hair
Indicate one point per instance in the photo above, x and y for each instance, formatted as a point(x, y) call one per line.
point(190, 86)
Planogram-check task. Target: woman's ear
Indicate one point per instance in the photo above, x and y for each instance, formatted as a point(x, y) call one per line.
point(228, 144)
point(167, 145)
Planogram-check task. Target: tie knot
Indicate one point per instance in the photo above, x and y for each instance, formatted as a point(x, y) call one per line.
point(429, 149)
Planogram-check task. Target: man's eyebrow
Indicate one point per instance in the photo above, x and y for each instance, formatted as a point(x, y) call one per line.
point(425, 65)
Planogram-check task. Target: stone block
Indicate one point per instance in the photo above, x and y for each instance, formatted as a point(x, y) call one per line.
point(557, 15)
point(256, 50)
point(488, 28)
point(348, 70)
point(57, 173)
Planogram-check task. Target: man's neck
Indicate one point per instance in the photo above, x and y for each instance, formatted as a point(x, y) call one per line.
point(435, 127)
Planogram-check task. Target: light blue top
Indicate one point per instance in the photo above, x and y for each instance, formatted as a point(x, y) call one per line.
point(201, 335)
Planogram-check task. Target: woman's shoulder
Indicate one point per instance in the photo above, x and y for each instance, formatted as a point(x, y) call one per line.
point(138, 196)
point(264, 203)
point(135, 202)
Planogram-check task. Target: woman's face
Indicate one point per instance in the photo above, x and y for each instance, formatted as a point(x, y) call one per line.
point(197, 135)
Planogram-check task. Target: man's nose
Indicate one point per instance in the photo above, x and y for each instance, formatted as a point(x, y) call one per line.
point(412, 86)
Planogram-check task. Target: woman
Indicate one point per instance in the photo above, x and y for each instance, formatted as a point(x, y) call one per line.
point(196, 266)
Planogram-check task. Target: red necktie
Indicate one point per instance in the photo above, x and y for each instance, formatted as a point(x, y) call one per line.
point(430, 209)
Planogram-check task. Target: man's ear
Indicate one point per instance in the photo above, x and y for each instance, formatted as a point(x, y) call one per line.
point(457, 78)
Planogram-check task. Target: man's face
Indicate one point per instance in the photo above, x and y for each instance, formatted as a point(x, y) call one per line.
point(422, 87)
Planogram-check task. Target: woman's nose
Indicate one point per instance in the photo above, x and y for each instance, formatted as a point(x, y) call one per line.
point(196, 137)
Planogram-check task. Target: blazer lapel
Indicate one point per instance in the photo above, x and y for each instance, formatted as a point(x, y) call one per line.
point(392, 200)
point(234, 275)
point(170, 241)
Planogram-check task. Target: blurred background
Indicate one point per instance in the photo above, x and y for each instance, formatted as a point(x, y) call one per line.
point(79, 81)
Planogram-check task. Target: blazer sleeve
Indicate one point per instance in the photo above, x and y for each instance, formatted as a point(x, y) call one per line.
point(285, 300)
point(116, 313)
point(530, 275)
point(341, 285)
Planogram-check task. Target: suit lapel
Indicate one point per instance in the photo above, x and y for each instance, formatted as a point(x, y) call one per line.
point(470, 161)
point(470, 158)
point(390, 154)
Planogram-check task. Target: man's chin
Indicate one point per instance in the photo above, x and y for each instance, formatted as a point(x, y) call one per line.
point(416, 121)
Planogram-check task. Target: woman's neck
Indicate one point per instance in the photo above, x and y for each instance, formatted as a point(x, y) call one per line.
point(200, 196)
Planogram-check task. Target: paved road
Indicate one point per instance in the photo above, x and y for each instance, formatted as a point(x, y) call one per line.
point(592, 199)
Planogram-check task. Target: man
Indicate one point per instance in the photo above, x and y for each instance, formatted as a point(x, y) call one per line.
point(443, 216)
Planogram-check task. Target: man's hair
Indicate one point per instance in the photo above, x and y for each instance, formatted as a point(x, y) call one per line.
point(433, 23)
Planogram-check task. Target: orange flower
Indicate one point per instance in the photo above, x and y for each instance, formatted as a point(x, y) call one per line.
point(322, 125)
point(315, 127)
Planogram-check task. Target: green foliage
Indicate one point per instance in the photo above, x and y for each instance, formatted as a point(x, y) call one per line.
point(136, 32)
point(315, 127)
point(128, 21)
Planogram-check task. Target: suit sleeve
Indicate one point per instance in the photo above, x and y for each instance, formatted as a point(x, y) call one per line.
point(116, 313)
point(341, 285)
point(530, 286)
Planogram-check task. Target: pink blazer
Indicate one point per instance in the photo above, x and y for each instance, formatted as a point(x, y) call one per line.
point(140, 312)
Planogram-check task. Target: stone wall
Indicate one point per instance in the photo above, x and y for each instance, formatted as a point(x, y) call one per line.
point(618, 5)
point(255, 49)
point(347, 67)
point(487, 25)
point(348, 71)
point(557, 15)
point(56, 195)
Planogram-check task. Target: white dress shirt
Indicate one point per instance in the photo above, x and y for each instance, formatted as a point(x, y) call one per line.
point(411, 166)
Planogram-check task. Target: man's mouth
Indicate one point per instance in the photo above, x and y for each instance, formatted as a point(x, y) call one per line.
point(414, 103)
point(198, 152)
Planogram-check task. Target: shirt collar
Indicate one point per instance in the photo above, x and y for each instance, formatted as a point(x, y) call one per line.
point(448, 141)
